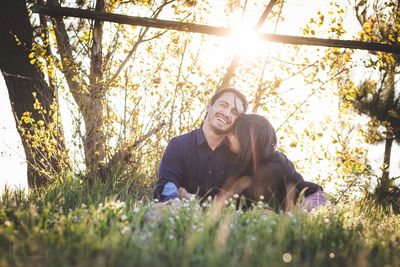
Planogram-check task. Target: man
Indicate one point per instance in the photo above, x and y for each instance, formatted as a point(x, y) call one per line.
point(200, 161)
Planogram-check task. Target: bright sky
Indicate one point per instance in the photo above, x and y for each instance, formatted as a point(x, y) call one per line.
point(12, 155)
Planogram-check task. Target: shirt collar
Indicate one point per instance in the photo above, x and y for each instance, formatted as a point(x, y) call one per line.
point(200, 136)
point(201, 139)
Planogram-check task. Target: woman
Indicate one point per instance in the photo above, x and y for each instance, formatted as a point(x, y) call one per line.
point(271, 177)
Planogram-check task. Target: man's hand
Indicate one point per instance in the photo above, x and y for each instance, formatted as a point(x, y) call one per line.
point(183, 194)
point(173, 204)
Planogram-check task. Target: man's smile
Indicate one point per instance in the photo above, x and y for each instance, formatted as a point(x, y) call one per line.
point(223, 119)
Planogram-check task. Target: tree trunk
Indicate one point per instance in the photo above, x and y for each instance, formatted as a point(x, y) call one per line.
point(89, 98)
point(93, 112)
point(386, 161)
point(23, 80)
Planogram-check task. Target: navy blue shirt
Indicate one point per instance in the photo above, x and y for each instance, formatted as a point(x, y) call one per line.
point(190, 163)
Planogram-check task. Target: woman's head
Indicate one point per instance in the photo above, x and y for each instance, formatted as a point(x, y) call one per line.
point(253, 138)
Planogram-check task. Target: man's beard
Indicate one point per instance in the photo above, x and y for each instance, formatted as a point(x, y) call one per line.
point(219, 131)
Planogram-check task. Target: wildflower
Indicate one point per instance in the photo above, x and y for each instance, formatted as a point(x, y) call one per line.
point(326, 220)
point(124, 217)
point(171, 237)
point(261, 197)
point(331, 255)
point(99, 211)
point(7, 223)
point(156, 200)
point(125, 230)
point(171, 220)
point(135, 210)
point(230, 199)
point(287, 257)
point(226, 202)
point(74, 219)
point(209, 198)
point(235, 196)
point(204, 204)
point(83, 206)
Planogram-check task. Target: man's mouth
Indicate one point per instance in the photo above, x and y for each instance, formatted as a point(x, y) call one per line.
point(223, 120)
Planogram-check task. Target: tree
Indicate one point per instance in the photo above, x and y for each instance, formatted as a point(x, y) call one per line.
point(33, 101)
point(381, 22)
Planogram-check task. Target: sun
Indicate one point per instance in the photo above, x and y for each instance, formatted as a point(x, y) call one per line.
point(246, 41)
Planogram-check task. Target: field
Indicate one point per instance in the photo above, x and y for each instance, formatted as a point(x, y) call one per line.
point(72, 224)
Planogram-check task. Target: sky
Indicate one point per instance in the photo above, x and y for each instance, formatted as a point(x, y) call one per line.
point(12, 159)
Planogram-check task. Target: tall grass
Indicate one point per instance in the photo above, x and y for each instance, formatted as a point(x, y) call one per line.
point(72, 223)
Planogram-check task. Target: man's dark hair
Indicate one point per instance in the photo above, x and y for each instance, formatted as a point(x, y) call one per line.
point(230, 90)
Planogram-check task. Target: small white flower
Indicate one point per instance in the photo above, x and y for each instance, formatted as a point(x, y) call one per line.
point(326, 220)
point(171, 237)
point(204, 204)
point(156, 200)
point(226, 202)
point(125, 230)
point(261, 197)
point(230, 199)
point(235, 196)
point(209, 198)
point(83, 205)
point(135, 210)
point(7, 223)
point(124, 217)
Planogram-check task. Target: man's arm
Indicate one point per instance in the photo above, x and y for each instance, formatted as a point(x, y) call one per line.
point(170, 172)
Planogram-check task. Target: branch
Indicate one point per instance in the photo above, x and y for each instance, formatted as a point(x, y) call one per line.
point(126, 153)
point(211, 30)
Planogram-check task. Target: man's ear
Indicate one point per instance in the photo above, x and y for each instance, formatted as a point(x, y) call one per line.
point(208, 107)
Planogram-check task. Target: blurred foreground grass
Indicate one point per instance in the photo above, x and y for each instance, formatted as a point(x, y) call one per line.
point(72, 224)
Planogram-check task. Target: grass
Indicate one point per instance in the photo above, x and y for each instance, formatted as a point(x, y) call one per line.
point(72, 224)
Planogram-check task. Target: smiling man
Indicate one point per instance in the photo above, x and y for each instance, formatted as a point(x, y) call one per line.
point(200, 161)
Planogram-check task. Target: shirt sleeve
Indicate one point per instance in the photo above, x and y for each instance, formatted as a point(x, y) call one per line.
point(170, 171)
point(314, 200)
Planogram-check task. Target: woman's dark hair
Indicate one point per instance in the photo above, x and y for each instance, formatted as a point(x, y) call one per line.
point(257, 140)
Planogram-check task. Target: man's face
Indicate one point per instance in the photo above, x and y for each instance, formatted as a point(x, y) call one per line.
point(223, 112)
